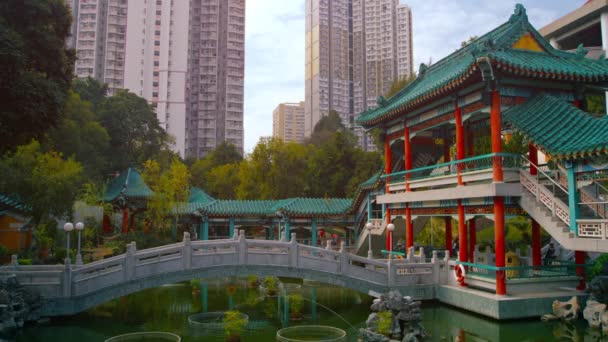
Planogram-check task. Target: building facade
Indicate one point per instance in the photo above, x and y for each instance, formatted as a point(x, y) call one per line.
point(100, 40)
point(288, 122)
point(167, 51)
point(216, 72)
point(355, 49)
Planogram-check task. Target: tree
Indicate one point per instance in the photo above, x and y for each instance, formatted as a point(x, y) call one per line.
point(91, 90)
point(224, 154)
point(325, 128)
point(135, 133)
point(399, 84)
point(46, 182)
point(222, 181)
point(170, 188)
point(78, 134)
point(36, 68)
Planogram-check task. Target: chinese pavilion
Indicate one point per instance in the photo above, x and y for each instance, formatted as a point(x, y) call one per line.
point(444, 135)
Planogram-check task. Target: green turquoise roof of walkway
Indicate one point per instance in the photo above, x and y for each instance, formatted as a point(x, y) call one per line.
point(129, 184)
point(452, 71)
point(11, 202)
point(558, 128)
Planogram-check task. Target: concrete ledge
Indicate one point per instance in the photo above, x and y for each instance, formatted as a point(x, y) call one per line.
point(467, 191)
point(505, 307)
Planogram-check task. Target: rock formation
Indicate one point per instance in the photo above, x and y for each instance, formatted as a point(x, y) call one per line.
point(566, 311)
point(17, 305)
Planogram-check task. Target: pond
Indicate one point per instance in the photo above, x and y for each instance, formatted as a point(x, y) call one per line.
point(168, 308)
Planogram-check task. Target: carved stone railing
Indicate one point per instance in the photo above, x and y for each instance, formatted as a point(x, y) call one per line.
point(67, 281)
point(546, 196)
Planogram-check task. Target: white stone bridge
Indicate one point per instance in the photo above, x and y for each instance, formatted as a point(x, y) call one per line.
point(71, 289)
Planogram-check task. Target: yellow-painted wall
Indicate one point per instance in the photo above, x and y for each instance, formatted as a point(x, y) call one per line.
point(11, 237)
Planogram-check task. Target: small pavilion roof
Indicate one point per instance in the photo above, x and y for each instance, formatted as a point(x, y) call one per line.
point(198, 195)
point(514, 47)
point(129, 184)
point(558, 128)
point(11, 202)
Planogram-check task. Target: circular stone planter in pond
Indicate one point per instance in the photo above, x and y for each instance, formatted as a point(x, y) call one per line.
point(148, 336)
point(309, 333)
point(212, 321)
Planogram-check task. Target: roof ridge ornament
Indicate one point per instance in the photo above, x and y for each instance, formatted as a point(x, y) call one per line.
point(520, 12)
point(381, 101)
point(581, 51)
point(422, 69)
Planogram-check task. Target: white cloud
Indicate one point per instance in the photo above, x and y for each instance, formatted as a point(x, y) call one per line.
point(274, 70)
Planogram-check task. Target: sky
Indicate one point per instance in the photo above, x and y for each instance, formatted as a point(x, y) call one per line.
point(274, 44)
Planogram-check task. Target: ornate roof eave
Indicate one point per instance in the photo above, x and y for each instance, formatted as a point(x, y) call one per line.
point(422, 99)
point(519, 71)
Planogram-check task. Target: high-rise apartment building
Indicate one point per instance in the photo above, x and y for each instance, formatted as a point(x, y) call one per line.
point(216, 72)
point(157, 61)
point(168, 51)
point(100, 40)
point(355, 49)
point(288, 122)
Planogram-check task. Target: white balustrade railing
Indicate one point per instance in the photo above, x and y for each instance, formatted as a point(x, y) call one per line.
point(69, 281)
point(590, 228)
point(545, 196)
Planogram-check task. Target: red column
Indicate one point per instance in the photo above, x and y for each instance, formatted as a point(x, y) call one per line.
point(499, 242)
point(125, 220)
point(132, 221)
point(579, 259)
point(536, 255)
point(496, 127)
point(448, 234)
point(577, 103)
point(462, 234)
point(473, 239)
point(409, 227)
point(106, 224)
point(388, 161)
point(533, 155)
point(459, 141)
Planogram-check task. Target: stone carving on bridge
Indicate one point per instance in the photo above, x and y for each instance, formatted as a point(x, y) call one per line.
point(595, 312)
point(406, 319)
point(566, 311)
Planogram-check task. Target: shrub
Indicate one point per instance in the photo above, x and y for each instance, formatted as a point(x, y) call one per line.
point(234, 323)
point(271, 283)
point(598, 266)
point(385, 322)
point(3, 250)
point(296, 301)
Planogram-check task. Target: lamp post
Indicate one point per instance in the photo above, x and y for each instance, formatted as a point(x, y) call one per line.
point(79, 228)
point(68, 227)
point(369, 226)
point(391, 228)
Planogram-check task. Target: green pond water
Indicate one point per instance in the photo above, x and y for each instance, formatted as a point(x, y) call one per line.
point(167, 309)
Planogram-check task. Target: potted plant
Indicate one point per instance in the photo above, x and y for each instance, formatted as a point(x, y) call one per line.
point(4, 255)
point(271, 284)
point(252, 281)
point(385, 323)
point(234, 323)
point(43, 240)
point(296, 301)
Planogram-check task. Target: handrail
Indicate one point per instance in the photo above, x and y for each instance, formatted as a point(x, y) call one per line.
point(546, 175)
point(450, 163)
point(516, 268)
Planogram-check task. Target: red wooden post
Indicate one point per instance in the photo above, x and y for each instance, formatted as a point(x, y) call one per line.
point(125, 220)
point(473, 239)
point(388, 161)
point(409, 227)
point(407, 148)
point(106, 224)
point(496, 127)
point(533, 155)
point(388, 235)
point(448, 234)
point(536, 257)
point(499, 242)
point(579, 259)
point(459, 141)
point(462, 234)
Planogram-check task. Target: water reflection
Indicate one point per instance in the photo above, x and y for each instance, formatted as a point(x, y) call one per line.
point(167, 309)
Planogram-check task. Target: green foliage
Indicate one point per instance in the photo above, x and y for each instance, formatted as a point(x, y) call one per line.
point(325, 128)
point(36, 68)
point(195, 283)
point(25, 261)
point(46, 182)
point(3, 250)
point(517, 144)
point(234, 323)
point(42, 236)
point(598, 266)
point(78, 134)
point(223, 181)
point(399, 84)
point(118, 246)
point(434, 231)
point(385, 322)
point(252, 279)
point(271, 283)
point(91, 90)
point(170, 187)
point(135, 133)
point(296, 302)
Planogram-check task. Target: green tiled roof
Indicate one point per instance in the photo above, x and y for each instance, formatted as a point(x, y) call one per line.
point(130, 184)
point(239, 208)
point(197, 195)
point(496, 45)
point(11, 202)
point(317, 206)
point(558, 128)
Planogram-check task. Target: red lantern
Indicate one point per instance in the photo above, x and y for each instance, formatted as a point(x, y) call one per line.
point(334, 236)
point(321, 232)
